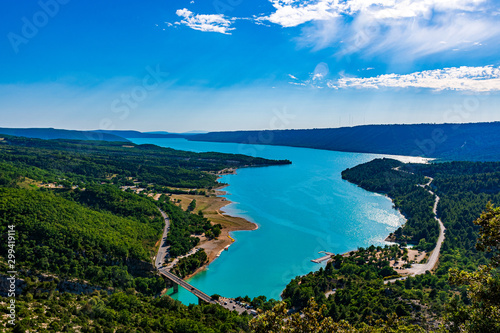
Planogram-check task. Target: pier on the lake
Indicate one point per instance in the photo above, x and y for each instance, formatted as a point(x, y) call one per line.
point(327, 256)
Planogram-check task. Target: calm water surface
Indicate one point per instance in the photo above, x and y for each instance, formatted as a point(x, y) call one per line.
point(301, 209)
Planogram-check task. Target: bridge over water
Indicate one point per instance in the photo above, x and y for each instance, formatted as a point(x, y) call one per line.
point(160, 257)
point(202, 297)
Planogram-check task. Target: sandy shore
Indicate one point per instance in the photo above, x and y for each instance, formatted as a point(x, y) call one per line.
point(211, 207)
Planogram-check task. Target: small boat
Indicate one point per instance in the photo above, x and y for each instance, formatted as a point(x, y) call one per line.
point(226, 248)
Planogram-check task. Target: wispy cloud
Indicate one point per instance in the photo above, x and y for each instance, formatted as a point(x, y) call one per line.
point(414, 28)
point(211, 22)
point(475, 79)
point(290, 13)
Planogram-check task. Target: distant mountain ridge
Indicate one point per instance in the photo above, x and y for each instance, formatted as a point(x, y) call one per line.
point(52, 133)
point(465, 142)
point(468, 142)
point(131, 134)
point(183, 133)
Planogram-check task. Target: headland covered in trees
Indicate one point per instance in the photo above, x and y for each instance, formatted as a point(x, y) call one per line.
point(87, 225)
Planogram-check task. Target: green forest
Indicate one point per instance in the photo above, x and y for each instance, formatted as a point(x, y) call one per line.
point(414, 202)
point(70, 162)
point(90, 233)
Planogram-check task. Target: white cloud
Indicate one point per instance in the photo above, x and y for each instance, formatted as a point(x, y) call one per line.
point(292, 77)
point(418, 38)
point(317, 76)
point(290, 13)
point(211, 23)
point(412, 28)
point(476, 79)
point(392, 9)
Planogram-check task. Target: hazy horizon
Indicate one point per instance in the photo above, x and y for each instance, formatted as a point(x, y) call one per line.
point(197, 131)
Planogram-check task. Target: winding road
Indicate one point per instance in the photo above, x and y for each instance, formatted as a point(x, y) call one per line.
point(163, 249)
point(160, 259)
point(418, 269)
point(164, 270)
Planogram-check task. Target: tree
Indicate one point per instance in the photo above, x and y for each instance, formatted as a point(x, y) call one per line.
point(192, 206)
point(483, 286)
point(489, 239)
point(313, 320)
point(216, 230)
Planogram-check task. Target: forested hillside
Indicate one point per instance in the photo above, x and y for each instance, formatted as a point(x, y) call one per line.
point(464, 189)
point(462, 142)
point(414, 202)
point(66, 239)
point(81, 163)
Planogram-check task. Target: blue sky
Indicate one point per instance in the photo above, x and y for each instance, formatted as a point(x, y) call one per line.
point(240, 64)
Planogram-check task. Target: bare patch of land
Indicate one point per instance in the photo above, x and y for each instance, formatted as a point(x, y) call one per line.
point(211, 207)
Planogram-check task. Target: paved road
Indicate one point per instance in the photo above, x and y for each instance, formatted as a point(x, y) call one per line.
point(418, 269)
point(233, 305)
point(198, 293)
point(160, 256)
point(163, 250)
point(164, 270)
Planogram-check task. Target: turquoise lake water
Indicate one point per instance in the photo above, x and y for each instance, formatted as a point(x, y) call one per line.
point(301, 209)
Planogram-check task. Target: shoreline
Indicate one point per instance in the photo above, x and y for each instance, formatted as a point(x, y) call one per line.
point(416, 257)
point(211, 207)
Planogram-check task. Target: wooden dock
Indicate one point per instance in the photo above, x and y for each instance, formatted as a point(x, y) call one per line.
point(327, 256)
